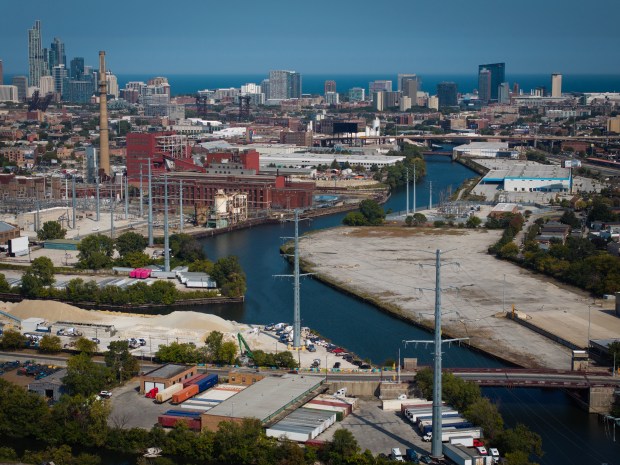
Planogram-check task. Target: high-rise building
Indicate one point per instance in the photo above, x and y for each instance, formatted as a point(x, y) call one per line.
point(392, 99)
point(378, 101)
point(556, 85)
point(484, 85)
point(77, 68)
point(21, 82)
point(284, 84)
point(379, 86)
point(9, 94)
point(402, 82)
point(329, 86)
point(498, 75)
point(266, 88)
point(332, 98)
point(37, 65)
point(113, 85)
point(46, 85)
point(410, 89)
point(56, 55)
point(357, 94)
point(503, 94)
point(92, 171)
point(77, 91)
point(59, 73)
point(447, 94)
point(1, 73)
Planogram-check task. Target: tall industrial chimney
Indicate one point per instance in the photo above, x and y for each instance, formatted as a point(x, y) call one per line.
point(104, 140)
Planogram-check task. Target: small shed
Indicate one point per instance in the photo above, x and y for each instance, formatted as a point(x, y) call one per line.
point(51, 387)
point(165, 376)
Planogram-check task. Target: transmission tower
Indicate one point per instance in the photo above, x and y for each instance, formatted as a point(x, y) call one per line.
point(436, 445)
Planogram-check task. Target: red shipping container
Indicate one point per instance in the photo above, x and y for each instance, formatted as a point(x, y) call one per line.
point(187, 393)
point(193, 379)
point(168, 421)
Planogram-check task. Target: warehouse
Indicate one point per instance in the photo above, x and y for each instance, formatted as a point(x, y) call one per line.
point(308, 160)
point(530, 178)
point(485, 150)
point(51, 387)
point(263, 400)
point(165, 376)
point(302, 425)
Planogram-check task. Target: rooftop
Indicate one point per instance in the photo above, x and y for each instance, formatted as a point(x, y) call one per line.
point(483, 146)
point(167, 371)
point(267, 397)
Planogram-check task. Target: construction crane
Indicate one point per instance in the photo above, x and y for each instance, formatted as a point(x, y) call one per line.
point(242, 344)
point(38, 103)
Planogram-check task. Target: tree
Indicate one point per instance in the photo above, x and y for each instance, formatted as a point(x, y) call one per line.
point(186, 248)
point(119, 360)
point(409, 220)
point(204, 266)
point(229, 276)
point(95, 252)
point(354, 219)
point(342, 449)
point(419, 219)
point(372, 211)
point(22, 413)
point(570, 219)
point(130, 242)
point(43, 268)
point(31, 285)
point(85, 346)
point(84, 376)
point(614, 350)
point(485, 414)
point(473, 222)
point(51, 230)
point(134, 260)
point(12, 339)
point(4, 284)
point(213, 344)
point(49, 343)
point(520, 439)
point(227, 353)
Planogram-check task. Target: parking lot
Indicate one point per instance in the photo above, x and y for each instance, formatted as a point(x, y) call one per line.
point(378, 430)
point(130, 409)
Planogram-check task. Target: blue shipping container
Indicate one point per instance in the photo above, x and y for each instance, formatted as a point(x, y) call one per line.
point(206, 383)
point(183, 413)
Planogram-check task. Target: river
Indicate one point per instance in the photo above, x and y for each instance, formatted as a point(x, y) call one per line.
point(569, 434)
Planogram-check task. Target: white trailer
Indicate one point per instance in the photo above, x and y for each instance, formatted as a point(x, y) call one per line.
point(167, 393)
point(446, 434)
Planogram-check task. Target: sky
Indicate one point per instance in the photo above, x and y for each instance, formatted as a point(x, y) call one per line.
point(322, 36)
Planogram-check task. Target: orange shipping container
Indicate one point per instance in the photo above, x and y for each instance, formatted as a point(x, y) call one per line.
point(187, 393)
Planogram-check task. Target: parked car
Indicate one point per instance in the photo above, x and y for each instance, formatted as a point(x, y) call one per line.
point(95, 340)
point(337, 365)
point(105, 394)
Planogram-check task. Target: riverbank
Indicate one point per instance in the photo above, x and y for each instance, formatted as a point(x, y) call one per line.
point(381, 266)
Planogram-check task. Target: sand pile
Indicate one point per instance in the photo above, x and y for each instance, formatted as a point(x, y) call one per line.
point(194, 321)
point(52, 311)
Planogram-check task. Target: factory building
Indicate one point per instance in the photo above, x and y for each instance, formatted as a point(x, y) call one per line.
point(51, 387)
point(484, 150)
point(165, 376)
point(306, 159)
point(530, 178)
point(264, 400)
point(145, 148)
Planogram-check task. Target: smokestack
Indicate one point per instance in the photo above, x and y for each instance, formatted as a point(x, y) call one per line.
point(104, 141)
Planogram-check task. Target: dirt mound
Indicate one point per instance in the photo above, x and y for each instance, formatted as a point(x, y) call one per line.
point(52, 311)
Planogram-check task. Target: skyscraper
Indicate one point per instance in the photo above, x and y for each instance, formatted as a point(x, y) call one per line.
point(401, 86)
point(556, 85)
point(447, 94)
point(21, 82)
point(46, 85)
point(77, 68)
point(484, 85)
point(284, 84)
point(379, 86)
point(56, 54)
point(37, 66)
point(498, 75)
point(503, 94)
point(330, 86)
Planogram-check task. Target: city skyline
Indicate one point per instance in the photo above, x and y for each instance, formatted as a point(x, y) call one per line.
point(280, 40)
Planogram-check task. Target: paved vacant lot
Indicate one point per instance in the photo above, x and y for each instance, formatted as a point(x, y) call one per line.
point(393, 264)
point(130, 409)
point(378, 430)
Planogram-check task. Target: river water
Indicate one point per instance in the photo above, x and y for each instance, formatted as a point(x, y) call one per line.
point(569, 434)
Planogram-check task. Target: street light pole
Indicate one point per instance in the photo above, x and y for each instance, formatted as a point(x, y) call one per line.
point(589, 325)
point(504, 296)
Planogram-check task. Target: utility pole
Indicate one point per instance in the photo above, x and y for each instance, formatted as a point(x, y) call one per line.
point(166, 238)
point(296, 287)
point(111, 214)
point(73, 199)
point(97, 195)
point(150, 220)
point(430, 197)
point(407, 183)
point(414, 178)
point(126, 197)
point(436, 444)
point(141, 196)
point(181, 205)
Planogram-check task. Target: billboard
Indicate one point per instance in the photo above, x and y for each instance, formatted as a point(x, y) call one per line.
point(345, 128)
point(572, 163)
point(18, 246)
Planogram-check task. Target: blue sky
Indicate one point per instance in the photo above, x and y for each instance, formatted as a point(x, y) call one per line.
point(319, 36)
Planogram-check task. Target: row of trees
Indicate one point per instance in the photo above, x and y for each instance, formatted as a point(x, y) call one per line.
point(518, 443)
point(396, 175)
point(370, 214)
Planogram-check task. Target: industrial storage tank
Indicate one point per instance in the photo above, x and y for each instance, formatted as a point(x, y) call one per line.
point(220, 202)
